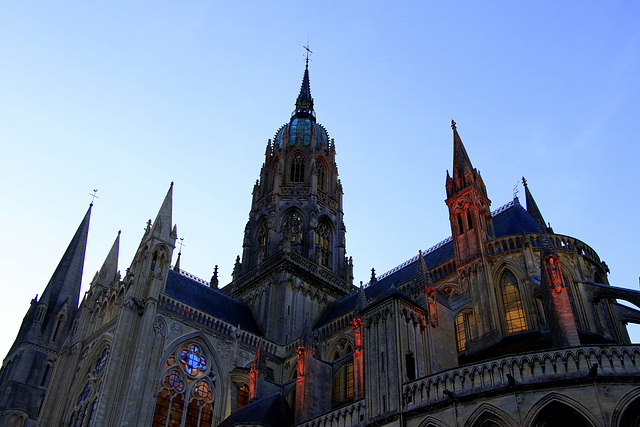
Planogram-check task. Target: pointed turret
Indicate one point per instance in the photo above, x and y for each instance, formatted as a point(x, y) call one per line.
point(162, 224)
point(361, 303)
point(304, 102)
point(461, 162)
point(65, 282)
point(533, 210)
point(176, 267)
point(109, 268)
point(469, 206)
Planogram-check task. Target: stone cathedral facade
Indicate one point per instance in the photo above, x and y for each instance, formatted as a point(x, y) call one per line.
point(506, 323)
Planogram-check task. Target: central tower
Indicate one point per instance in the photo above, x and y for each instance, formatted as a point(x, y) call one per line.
point(294, 256)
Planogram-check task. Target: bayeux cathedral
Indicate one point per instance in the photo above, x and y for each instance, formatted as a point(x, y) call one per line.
point(506, 323)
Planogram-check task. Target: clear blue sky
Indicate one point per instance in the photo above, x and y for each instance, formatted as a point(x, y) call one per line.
point(129, 96)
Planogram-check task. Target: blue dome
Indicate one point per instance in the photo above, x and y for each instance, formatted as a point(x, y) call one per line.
point(301, 129)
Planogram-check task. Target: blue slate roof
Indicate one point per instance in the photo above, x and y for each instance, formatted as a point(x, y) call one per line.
point(512, 220)
point(210, 301)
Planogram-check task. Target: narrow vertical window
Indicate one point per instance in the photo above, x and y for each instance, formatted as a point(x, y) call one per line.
point(461, 333)
point(297, 168)
point(321, 179)
point(460, 227)
point(512, 303)
point(323, 244)
point(410, 363)
point(45, 375)
point(263, 240)
point(469, 222)
point(243, 396)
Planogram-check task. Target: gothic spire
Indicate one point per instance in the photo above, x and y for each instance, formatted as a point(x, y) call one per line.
point(65, 282)
point(461, 162)
point(532, 208)
point(304, 103)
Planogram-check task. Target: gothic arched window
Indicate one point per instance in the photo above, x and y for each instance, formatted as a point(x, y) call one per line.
point(84, 409)
point(297, 168)
point(263, 241)
point(292, 230)
point(323, 244)
point(512, 307)
point(186, 396)
point(343, 379)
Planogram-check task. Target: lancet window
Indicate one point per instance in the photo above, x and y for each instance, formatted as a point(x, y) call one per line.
point(187, 390)
point(512, 307)
point(297, 168)
point(323, 244)
point(343, 379)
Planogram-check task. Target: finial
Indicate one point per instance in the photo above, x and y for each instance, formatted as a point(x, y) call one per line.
point(214, 278)
point(453, 125)
point(94, 197)
point(524, 181)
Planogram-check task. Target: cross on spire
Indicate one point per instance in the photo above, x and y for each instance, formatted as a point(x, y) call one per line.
point(93, 195)
point(181, 243)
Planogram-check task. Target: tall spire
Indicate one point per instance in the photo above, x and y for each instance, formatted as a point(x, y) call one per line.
point(461, 162)
point(533, 210)
point(65, 281)
point(304, 103)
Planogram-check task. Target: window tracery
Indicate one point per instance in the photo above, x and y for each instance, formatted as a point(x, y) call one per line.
point(84, 409)
point(187, 390)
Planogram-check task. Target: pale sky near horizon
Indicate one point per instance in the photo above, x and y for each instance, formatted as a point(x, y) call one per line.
point(127, 97)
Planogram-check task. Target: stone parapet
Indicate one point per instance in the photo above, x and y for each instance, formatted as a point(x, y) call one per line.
point(524, 369)
point(351, 415)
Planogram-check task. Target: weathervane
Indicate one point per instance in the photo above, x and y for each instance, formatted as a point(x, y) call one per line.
point(515, 190)
point(93, 195)
point(308, 50)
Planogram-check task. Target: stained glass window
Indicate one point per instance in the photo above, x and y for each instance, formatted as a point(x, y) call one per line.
point(192, 361)
point(183, 399)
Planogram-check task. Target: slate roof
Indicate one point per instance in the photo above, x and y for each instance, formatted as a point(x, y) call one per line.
point(271, 411)
point(513, 219)
point(210, 301)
